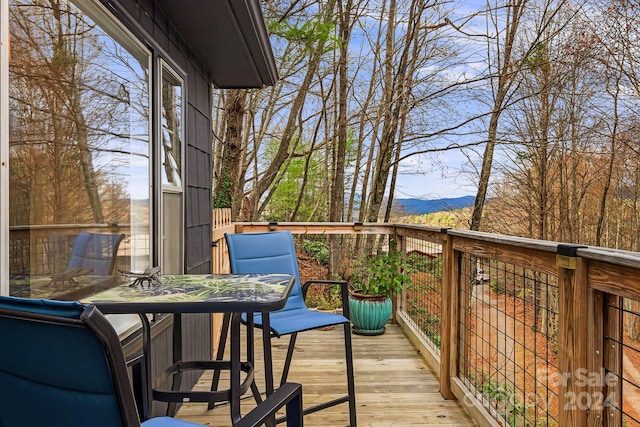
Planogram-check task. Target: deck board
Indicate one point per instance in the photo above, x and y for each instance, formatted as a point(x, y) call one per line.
point(394, 386)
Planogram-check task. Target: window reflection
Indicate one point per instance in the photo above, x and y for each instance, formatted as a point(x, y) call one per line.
point(171, 129)
point(79, 145)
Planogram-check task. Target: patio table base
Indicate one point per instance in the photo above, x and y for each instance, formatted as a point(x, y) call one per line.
point(180, 396)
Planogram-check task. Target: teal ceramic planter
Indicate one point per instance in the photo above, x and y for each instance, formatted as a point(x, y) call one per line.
point(369, 313)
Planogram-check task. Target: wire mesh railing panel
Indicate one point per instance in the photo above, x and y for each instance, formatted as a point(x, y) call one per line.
point(621, 380)
point(422, 300)
point(40, 255)
point(508, 340)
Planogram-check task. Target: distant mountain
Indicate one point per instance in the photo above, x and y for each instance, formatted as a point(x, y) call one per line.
point(420, 207)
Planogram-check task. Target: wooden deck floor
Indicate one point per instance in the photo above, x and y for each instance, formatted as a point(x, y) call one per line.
point(394, 386)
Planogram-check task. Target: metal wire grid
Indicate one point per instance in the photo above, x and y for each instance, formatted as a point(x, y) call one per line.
point(424, 266)
point(43, 255)
point(508, 340)
point(50, 254)
point(621, 395)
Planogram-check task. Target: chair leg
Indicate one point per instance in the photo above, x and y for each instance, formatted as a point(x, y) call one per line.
point(350, 398)
point(348, 347)
point(226, 320)
point(220, 355)
point(139, 376)
point(268, 363)
point(287, 363)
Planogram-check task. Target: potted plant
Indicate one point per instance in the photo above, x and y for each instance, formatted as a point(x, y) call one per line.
point(370, 303)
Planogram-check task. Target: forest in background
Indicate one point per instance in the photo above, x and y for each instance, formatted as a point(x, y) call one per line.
point(540, 97)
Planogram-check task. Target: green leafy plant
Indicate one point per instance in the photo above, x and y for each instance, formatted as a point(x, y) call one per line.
point(497, 286)
point(434, 337)
point(505, 400)
point(317, 249)
point(329, 299)
point(385, 274)
point(418, 262)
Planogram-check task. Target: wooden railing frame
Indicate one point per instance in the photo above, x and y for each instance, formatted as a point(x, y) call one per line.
point(587, 278)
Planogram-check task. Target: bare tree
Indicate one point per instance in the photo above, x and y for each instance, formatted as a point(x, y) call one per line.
point(70, 105)
point(504, 72)
point(287, 137)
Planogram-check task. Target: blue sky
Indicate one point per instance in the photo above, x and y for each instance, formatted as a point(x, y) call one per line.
point(453, 173)
point(439, 176)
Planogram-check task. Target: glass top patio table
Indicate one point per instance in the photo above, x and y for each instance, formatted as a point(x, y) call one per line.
point(197, 293)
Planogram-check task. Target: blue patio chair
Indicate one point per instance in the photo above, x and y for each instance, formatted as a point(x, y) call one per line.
point(275, 252)
point(95, 252)
point(91, 254)
point(61, 365)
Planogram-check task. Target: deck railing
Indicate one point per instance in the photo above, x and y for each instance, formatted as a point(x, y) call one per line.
point(523, 332)
point(45, 249)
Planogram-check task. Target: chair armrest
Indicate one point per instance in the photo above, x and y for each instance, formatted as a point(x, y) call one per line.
point(344, 292)
point(289, 394)
point(306, 285)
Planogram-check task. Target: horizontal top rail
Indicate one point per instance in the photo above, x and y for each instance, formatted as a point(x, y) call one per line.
point(391, 228)
point(615, 256)
point(317, 227)
point(49, 227)
point(541, 245)
point(612, 256)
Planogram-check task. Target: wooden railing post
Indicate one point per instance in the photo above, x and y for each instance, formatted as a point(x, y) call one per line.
point(596, 356)
point(401, 299)
point(612, 358)
point(574, 399)
point(449, 316)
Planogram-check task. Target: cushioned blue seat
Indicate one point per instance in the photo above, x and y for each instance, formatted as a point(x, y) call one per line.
point(61, 365)
point(275, 252)
point(95, 252)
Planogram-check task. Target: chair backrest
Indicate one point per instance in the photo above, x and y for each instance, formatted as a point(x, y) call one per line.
point(61, 364)
point(272, 252)
point(96, 252)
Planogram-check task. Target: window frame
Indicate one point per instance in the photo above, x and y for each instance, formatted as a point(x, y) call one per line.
point(4, 146)
point(164, 65)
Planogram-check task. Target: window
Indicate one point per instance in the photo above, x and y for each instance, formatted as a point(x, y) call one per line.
point(172, 128)
point(172, 137)
point(79, 148)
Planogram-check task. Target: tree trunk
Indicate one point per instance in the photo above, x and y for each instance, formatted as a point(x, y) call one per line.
point(612, 159)
point(228, 186)
point(283, 152)
point(507, 72)
point(64, 60)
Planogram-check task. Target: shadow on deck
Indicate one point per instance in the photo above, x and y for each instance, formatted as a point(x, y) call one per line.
point(394, 386)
